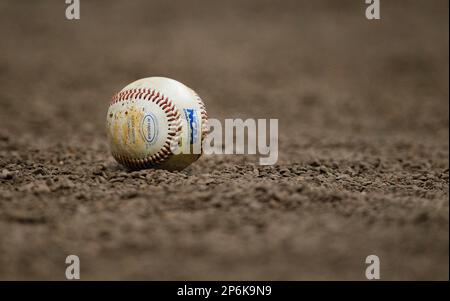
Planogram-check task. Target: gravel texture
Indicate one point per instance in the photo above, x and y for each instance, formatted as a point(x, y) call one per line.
point(363, 141)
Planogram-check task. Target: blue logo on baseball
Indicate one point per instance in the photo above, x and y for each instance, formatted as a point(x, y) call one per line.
point(192, 119)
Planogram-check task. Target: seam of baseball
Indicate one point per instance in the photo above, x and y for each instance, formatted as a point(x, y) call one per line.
point(174, 126)
point(203, 114)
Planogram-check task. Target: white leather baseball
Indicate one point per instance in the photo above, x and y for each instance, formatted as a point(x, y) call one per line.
point(151, 120)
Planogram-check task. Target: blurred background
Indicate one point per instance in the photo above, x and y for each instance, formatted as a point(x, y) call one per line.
point(320, 63)
point(363, 114)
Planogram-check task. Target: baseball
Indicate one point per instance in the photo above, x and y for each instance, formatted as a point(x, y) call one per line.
point(156, 122)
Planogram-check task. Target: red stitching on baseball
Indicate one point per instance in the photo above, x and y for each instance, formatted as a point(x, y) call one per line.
point(204, 115)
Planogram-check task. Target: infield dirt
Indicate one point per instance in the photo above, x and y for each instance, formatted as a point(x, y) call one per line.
point(363, 141)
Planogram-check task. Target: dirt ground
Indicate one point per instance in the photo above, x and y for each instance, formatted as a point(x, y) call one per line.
point(363, 141)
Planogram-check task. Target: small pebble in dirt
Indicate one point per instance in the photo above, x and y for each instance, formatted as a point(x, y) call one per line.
point(6, 174)
point(41, 187)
